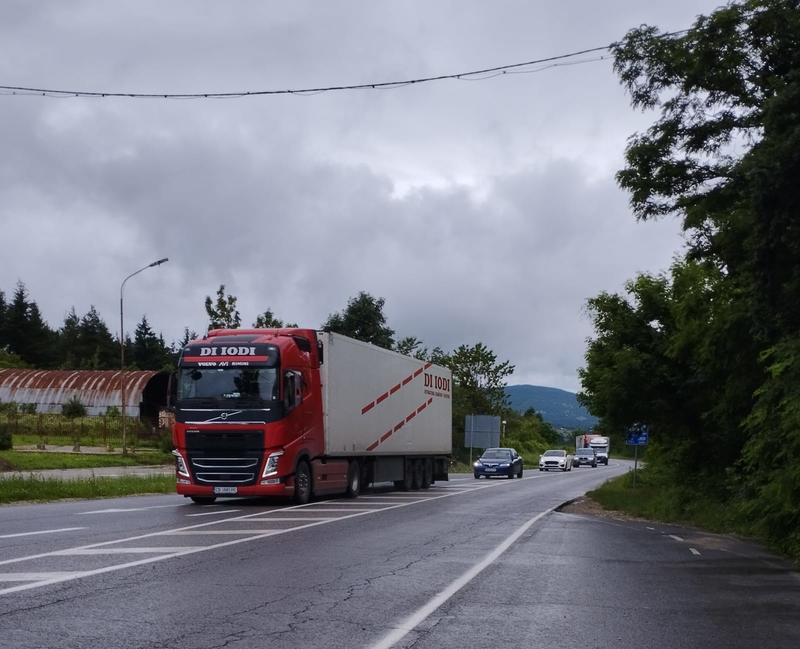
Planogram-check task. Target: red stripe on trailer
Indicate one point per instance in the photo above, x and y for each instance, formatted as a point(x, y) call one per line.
point(399, 425)
point(427, 365)
point(394, 389)
point(367, 408)
point(408, 379)
point(403, 383)
point(383, 397)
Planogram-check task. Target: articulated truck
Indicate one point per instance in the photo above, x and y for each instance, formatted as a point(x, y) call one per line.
point(301, 413)
point(600, 444)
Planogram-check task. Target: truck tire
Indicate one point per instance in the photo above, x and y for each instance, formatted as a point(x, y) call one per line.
point(417, 474)
point(302, 483)
point(427, 474)
point(203, 500)
point(353, 480)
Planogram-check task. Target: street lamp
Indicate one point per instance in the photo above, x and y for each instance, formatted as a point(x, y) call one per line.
point(504, 428)
point(122, 348)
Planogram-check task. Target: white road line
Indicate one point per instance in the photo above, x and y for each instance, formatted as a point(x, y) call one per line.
point(677, 538)
point(128, 509)
point(650, 528)
point(100, 551)
point(63, 529)
point(221, 511)
point(411, 622)
point(296, 518)
point(36, 576)
point(262, 532)
point(344, 509)
point(245, 539)
point(694, 552)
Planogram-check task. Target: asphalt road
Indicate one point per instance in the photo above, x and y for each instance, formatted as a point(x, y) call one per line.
point(465, 564)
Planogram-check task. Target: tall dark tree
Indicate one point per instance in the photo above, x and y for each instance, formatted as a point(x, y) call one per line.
point(25, 332)
point(363, 319)
point(222, 313)
point(96, 348)
point(724, 156)
point(148, 350)
point(68, 337)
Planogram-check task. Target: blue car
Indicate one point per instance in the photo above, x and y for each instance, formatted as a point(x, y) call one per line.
point(498, 461)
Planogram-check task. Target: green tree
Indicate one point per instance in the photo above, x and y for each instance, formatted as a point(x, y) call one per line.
point(363, 319)
point(25, 332)
point(223, 313)
point(719, 370)
point(267, 320)
point(95, 347)
point(148, 349)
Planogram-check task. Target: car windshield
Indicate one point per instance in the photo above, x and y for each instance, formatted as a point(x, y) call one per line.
point(496, 454)
point(585, 451)
point(555, 453)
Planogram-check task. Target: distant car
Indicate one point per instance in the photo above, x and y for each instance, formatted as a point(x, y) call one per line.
point(584, 456)
point(555, 459)
point(498, 461)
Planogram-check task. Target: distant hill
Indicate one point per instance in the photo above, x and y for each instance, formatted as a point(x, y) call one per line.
point(557, 407)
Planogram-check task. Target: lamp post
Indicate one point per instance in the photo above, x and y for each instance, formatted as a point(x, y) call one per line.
point(122, 348)
point(504, 428)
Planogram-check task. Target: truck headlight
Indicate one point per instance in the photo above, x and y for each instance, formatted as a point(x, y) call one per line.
point(271, 465)
point(180, 464)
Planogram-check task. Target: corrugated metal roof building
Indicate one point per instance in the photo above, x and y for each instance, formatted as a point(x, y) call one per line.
point(145, 391)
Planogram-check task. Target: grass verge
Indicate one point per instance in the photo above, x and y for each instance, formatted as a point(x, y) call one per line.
point(33, 461)
point(668, 504)
point(48, 489)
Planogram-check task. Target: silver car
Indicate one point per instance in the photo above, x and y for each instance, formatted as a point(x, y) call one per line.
point(555, 459)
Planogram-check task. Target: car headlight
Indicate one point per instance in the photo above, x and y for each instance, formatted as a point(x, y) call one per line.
point(505, 465)
point(477, 464)
point(271, 465)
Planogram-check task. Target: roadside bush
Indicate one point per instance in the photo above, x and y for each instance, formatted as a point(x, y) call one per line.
point(73, 409)
point(8, 408)
point(27, 408)
point(5, 437)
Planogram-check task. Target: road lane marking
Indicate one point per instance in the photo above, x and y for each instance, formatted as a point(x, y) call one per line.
point(651, 528)
point(296, 518)
point(677, 538)
point(221, 511)
point(695, 552)
point(262, 532)
point(222, 544)
point(120, 510)
point(62, 529)
point(100, 551)
point(408, 624)
point(36, 576)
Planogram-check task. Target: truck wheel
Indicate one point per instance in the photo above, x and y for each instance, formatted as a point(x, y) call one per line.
point(427, 474)
point(353, 480)
point(302, 484)
point(417, 474)
point(203, 500)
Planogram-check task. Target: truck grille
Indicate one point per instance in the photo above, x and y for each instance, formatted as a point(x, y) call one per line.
point(225, 456)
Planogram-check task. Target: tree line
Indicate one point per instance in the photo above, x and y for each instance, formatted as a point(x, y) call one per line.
point(708, 353)
point(85, 342)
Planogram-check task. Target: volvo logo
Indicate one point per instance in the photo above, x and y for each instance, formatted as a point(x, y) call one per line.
point(224, 415)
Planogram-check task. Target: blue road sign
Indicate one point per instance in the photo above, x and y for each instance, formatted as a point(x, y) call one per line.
point(638, 435)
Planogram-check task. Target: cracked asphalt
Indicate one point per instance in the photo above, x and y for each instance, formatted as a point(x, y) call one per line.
point(570, 579)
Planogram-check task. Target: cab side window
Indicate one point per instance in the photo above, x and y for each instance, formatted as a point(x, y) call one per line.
point(292, 389)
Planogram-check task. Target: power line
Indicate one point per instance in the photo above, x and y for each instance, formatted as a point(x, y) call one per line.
point(473, 75)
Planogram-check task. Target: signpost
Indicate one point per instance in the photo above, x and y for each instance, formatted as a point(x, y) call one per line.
point(481, 431)
point(638, 435)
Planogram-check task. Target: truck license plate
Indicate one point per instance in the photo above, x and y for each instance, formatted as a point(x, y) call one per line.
point(225, 491)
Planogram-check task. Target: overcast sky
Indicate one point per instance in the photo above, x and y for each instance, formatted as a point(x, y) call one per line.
point(481, 210)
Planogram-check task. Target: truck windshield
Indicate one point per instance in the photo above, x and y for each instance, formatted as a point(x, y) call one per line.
point(247, 384)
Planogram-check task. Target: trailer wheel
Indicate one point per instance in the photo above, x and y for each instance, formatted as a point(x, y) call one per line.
point(353, 480)
point(427, 474)
point(203, 500)
point(302, 483)
point(417, 474)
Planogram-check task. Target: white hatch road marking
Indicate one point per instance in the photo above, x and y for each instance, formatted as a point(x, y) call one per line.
point(63, 529)
point(244, 537)
point(411, 622)
point(120, 510)
point(651, 528)
point(296, 518)
point(695, 551)
point(36, 576)
point(221, 511)
point(261, 533)
point(673, 536)
point(100, 551)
